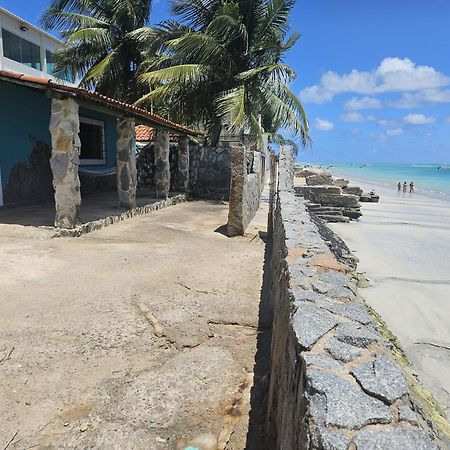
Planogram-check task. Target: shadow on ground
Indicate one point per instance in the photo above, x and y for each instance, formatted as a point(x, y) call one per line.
point(258, 395)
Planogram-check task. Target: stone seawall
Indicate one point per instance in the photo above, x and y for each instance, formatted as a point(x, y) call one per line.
point(333, 383)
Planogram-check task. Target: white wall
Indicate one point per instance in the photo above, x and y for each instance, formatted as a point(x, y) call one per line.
point(46, 42)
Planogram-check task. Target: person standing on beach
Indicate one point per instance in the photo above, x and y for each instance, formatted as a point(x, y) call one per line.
point(404, 186)
point(399, 186)
point(411, 187)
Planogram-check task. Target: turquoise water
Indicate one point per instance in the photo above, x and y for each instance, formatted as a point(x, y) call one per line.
point(431, 179)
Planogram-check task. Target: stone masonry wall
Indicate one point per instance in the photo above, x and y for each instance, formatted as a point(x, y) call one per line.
point(333, 384)
point(209, 176)
point(245, 189)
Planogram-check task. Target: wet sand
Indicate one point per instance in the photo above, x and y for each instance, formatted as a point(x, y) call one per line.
point(403, 243)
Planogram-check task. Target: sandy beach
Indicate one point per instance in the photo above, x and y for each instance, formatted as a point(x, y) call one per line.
point(403, 244)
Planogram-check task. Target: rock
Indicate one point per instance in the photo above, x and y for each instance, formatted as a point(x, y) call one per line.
point(310, 323)
point(352, 213)
point(353, 190)
point(334, 218)
point(346, 405)
point(381, 378)
point(393, 439)
point(406, 414)
point(321, 360)
point(353, 311)
point(341, 182)
point(368, 198)
point(318, 179)
point(355, 335)
point(338, 200)
point(330, 439)
point(342, 351)
point(335, 278)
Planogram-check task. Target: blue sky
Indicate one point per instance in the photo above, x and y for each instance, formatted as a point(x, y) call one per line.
point(374, 76)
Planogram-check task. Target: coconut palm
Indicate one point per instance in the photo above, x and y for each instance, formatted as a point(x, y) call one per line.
point(222, 65)
point(101, 46)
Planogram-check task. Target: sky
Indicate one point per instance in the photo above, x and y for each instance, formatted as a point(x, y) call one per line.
point(373, 76)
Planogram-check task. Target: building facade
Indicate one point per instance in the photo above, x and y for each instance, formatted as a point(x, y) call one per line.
point(25, 48)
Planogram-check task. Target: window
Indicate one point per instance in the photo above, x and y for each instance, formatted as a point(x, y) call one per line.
point(21, 50)
point(50, 62)
point(93, 145)
point(51, 68)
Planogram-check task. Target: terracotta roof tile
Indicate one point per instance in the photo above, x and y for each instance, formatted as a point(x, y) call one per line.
point(95, 97)
point(145, 133)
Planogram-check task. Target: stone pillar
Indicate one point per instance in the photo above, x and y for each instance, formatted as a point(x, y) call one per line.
point(126, 163)
point(183, 163)
point(286, 168)
point(237, 211)
point(64, 128)
point(162, 164)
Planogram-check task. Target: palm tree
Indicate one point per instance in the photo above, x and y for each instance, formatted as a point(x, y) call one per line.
point(101, 49)
point(222, 65)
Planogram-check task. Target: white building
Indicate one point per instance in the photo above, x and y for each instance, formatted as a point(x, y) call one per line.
point(25, 48)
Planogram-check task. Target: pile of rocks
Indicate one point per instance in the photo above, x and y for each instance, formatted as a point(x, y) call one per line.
point(331, 200)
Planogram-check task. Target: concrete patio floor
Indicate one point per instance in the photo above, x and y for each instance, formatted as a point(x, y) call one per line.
point(139, 335)
point(93, 207)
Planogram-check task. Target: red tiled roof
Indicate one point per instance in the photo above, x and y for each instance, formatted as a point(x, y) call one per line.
point(95, 97)
point(145, 133)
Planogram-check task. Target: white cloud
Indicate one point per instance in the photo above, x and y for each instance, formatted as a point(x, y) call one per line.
point(353, 117)
point(323, 125)
point(447, 119)
point(410, 100)
point(394, 132)
point(362, 103)
point(418, 119)
point(392, 75)
point(356, 116)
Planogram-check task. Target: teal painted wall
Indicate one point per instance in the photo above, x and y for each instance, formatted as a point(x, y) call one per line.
point(24, 119)
point(110, 135)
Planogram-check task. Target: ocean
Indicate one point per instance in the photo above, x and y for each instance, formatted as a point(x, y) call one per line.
point(429, 179)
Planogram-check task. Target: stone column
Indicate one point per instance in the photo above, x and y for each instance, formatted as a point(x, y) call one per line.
point(162, 164)
point(286, 168)
point(237, 212)
point(126, 163)
point(64, 128)
point(183, 163)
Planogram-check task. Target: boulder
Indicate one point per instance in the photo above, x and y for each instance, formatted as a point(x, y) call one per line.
point(341, 182)
point(319, 179)
point(353, 190)
point(345, 200)
point(369, 198)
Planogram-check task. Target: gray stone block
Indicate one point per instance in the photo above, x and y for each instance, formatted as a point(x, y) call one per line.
point(355, 335)
point(354, 311)
point(342, 351)
point(406, 414)
point(59, 163)
point(335, 278)
point(346, 404)
point(393, 439)
point(381, 378)
point(321, 360)
point(310, 323)
point(326, 439)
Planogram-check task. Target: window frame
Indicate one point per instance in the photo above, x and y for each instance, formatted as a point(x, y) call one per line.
point(101, 124)
point(28, 41)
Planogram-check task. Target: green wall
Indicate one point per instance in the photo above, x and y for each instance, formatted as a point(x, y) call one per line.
point(24, 119)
